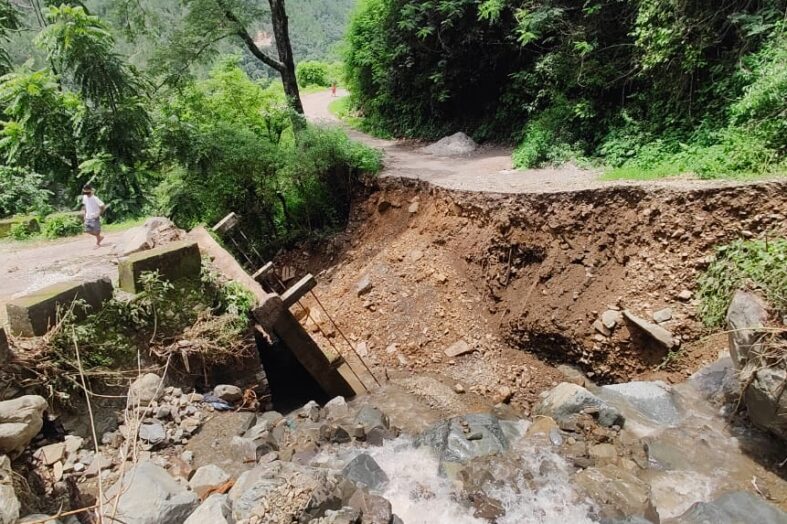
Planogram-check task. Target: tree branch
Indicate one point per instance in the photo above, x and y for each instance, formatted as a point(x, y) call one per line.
point(246, 37)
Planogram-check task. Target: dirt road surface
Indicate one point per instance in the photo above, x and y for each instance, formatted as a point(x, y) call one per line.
point(489, 169)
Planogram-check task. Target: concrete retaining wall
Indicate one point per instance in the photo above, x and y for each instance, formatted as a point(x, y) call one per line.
point(34, 314)
point(174, 261)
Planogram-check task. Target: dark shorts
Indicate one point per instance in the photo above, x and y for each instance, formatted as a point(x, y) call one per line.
point(92, 225)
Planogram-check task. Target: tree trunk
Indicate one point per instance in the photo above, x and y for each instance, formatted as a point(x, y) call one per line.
point(281, 34)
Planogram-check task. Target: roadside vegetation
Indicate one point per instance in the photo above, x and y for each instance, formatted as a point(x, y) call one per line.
point(647, 89)
point(193, 143)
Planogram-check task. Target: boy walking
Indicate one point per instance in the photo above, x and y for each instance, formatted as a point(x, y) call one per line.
point(92, 209)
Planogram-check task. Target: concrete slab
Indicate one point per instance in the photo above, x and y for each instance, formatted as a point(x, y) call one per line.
point(173, 261)
point(297, 292)
point(34, 314)
point(7, 223)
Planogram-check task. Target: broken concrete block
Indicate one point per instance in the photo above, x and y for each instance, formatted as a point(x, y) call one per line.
point(7, 223)
point(175, 261)
point(34, 314)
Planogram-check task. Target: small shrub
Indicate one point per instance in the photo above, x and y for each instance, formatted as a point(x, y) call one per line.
point(20, 231)
point(313, 73)
point(762, 263)
point(22, 192)
point(57, 226)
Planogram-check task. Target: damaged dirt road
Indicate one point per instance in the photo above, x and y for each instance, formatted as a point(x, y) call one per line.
point(529, 280)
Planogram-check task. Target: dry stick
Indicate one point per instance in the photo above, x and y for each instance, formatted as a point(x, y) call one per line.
point(62, 514)
point(352, 348)
point(92, 425)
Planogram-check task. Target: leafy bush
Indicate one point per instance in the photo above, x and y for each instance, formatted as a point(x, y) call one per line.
point(312, 73)
point(64, 225)
point(22, 192)
point(762, 263)
point(21, 231)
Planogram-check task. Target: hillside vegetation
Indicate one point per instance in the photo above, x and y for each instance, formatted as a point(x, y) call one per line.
point(650, 87)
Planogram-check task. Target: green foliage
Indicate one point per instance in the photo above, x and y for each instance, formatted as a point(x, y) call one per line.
point(9, 22)
point(761, 263)
point(650, 87)
point(21, 231)
point(230, 146)
point(312, 73)
point(61, 225)
point(21, 192)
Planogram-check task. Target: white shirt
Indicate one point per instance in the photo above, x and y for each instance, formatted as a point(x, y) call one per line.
point(92, 206)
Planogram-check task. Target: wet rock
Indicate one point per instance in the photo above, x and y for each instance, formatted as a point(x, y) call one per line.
point(207, 477)
point(153, 434)
point(215, 510)
point(458, 348)
point(370, 417)
point(336, 408)
point(374, 508)
point(654, 400)
point(285, 492)
point(717, 382)
point(364, 470)
point(765, 400)
point(732, 508)
point(9, 504)
point(663, 315)
point(20, 420)
point(541, 426)
point(345, 515)
point(148, 495)
point(746, 316)
point(618, 493)
point(363, 286)
point(566, 400)
point(228, 393)
point(145, 389)
point(651, 331)
point(451, 439)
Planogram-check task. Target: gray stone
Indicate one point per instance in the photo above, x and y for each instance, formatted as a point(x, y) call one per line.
point(336, 408)
point(215, 510)
point(345, 515)
point(618, 493)
point(746, 317)
point(451, 439)
point(364, 470)
point(566, 400)
point(374, 508)
point(363, 286)
point(268, 420)
point(208, 477)
point(599, 326)
point(228, 392)
point(145, 389)
point(249, 450)
point(458, 348)
point(737, 507)
point(148, 495)
point(663, 315)
point(370, 417)
point(153, 434)
point(652, 331)
point(175, 261)
point(34, 314)
point(765, 399)
point(20, 420)
point(685, 295)
point(9, 504)
point(611, 318)
point(717, 382)
point(654, 400)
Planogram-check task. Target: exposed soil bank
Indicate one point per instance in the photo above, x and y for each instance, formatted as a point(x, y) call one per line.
point(531, 272)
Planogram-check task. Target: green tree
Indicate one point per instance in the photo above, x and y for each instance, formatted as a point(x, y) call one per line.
point(9, 22)
point(312, 73)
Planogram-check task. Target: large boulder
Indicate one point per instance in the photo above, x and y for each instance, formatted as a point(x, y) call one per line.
point(732, 508)
point(461, 439)
point(175, 261)
point(653, 400)
point(566, 400)
point(215, 510)
point(9, 504)
point(285, 492)
point(148, 495)
point(20, 420)
point(365, 471)
point(766, 398)
point(453, 145)
point(746, 317)
point(145, 389)
point(618, 493)
point(717, 382)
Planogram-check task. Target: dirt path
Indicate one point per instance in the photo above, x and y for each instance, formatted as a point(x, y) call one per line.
point(487, 170)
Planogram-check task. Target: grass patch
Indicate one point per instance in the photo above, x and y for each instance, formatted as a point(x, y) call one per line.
point(756, 263)
point(340, 108)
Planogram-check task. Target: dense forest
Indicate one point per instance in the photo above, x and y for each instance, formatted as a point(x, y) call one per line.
point(651, 87)
point(153, 104)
